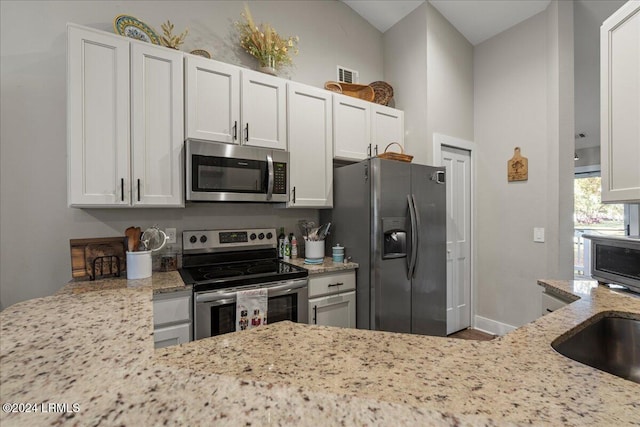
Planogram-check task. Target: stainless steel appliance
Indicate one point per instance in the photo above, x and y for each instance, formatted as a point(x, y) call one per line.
point(616, 259)
point(219, 263)
point(390, 216)
point(233, 173)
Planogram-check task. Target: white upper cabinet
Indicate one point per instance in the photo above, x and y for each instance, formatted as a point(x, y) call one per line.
point(387, 126)
point(98, 119)
point(212, 106)
point(157, 125)
point(125, 122)
point(363, 129)
point(620, 105)
point(310, 146)
point(264, 103)
point(225, 103)
point(351, 128)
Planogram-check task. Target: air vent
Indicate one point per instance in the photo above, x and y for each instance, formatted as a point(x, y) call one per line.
point(347, 76)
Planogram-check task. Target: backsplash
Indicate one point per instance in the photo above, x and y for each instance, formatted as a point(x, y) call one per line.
point(195, 216)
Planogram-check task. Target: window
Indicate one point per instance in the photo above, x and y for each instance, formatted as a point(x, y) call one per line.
point(590, 216)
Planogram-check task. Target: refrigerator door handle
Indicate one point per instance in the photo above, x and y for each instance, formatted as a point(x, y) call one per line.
point(416, 234)
point(414, 237)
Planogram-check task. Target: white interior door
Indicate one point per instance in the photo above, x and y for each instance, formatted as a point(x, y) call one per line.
point(458, 165)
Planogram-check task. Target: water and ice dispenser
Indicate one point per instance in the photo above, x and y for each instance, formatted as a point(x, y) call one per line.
point(395, 237)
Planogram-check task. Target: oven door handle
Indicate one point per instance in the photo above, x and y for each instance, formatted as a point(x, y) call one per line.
point(270, 173)
point(287, 287)
point(216, 298)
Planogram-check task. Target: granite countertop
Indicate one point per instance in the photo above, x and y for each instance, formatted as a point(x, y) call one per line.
point(96, 349)
point(160, 282)
point(327, 265)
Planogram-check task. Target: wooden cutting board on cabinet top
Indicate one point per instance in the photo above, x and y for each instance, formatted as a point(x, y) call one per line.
point(85, 251)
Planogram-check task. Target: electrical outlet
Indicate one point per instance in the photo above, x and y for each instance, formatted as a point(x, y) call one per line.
point(538, 234)
point(171, 234)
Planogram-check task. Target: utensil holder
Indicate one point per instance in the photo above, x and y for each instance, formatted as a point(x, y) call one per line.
point(138, 265)
point(314, 249)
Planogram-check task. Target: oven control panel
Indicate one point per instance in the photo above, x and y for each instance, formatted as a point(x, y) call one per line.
point(221, 240)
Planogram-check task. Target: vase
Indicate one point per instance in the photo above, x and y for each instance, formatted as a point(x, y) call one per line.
point(267, 65)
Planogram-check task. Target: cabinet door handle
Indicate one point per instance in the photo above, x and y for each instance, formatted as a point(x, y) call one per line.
point(235, 130)
point(376, 149)
point(246, 136)
point(294, 195)
point(122, 189)
point(138, 189)
point(335, 284)
point(369, 151)
point(315, 314)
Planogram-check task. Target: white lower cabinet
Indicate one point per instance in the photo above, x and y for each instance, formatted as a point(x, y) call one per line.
point(551, 303)
point(171, 319)
point(171, 335)
point(335, 310)
point(332, 299)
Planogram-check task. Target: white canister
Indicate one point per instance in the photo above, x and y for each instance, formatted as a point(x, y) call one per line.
point(138, 265)
point(314, 249)
point(338, 253)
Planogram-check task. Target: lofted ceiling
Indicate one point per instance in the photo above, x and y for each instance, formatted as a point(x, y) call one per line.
point(477, 20)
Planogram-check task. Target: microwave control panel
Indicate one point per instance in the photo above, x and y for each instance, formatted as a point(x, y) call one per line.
point(279, 178)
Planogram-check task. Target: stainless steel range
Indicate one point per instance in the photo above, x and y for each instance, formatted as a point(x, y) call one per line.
point(220, 263)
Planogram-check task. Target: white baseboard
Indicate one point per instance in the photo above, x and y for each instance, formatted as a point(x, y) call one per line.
point(492, 326)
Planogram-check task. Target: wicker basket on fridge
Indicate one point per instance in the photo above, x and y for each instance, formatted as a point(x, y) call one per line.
point(395, 156)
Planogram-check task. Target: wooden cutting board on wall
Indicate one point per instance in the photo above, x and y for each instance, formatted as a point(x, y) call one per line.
point(85, 251)
point(517, 167)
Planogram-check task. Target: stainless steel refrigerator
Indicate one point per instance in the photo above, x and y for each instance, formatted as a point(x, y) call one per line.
point(391, 218)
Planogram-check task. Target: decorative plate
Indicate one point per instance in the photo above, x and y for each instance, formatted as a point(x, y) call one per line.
point(201, 52)
point(129, 26)
point(383, 92)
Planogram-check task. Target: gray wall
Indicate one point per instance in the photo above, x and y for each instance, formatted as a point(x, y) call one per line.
point(35, 222)
point(589, 15)
point(524, 97)
point(405, 69)
point(430, 66)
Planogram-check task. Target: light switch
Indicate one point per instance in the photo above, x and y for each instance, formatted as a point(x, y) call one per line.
point(538, 234)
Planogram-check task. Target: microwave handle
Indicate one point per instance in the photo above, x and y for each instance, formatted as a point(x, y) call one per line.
point(270, 180)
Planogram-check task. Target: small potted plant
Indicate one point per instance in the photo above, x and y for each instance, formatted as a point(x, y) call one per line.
point(263, 42)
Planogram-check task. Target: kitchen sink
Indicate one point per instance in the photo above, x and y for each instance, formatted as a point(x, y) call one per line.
point(611, 344)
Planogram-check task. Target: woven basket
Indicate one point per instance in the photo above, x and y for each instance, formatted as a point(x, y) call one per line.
point(396, 156)
point(364, 92)
point(383, 92)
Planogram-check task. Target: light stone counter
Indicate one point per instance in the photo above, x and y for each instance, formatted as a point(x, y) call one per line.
point(96, 349)
point(159, 282)
point(327, 265)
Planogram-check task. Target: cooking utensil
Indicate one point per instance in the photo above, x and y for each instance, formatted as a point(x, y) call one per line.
point(323, 231)
point(136, 239)
point(319, 233)
point(130, 233)
point(153, 239)
point(305, 226)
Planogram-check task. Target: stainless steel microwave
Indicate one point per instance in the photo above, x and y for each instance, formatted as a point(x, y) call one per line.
point(217, 172)
point(616, 260)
